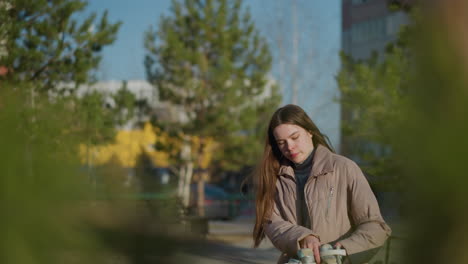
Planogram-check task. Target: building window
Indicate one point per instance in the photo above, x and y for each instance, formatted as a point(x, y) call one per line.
point(360, 2)
point(395, 21)
point(368, 30)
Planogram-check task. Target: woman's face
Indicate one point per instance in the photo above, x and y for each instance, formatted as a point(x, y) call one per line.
point(294, 142)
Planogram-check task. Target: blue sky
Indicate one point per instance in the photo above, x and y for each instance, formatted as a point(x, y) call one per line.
point(318, 29)
point(123, 60)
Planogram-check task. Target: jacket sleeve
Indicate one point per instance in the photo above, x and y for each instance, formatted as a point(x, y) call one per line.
point(370, 230)
point(284, 235)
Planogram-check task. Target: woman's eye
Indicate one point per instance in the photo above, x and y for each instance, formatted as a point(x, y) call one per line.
point(294, 138)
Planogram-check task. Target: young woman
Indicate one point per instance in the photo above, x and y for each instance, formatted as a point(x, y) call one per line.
point(308, 196)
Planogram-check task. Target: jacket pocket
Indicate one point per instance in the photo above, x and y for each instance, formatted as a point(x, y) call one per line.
point(330, 195)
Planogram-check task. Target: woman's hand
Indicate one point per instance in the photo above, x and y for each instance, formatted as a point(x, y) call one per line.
point(313, 243)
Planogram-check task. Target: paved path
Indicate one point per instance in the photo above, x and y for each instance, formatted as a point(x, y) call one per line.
point(230, 242)
point(217, 253)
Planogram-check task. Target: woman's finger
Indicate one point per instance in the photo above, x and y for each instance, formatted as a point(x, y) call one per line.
point(316, 250)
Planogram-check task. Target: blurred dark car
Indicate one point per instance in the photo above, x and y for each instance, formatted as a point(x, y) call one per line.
point(216, 202)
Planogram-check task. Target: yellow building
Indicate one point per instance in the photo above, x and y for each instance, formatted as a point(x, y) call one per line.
point(130, 145)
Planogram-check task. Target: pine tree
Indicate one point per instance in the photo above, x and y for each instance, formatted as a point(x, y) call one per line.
point(374, 94)
point(48, 51)
point(125, 105)
point(208, 60)
point(45, 44)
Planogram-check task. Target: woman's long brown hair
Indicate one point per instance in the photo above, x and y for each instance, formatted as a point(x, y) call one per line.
point(265, 175)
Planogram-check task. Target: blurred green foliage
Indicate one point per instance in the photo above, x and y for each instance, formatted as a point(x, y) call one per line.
point(42, 189)
point(433, 140)
point(415, 102)
point(374, 97)
point(51, 213)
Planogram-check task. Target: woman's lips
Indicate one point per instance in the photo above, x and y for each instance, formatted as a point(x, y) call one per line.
point(293, 155)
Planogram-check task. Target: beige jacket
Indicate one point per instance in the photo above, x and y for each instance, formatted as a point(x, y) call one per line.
point(340, 203)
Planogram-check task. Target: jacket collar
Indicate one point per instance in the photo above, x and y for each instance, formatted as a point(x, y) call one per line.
point(322, 163)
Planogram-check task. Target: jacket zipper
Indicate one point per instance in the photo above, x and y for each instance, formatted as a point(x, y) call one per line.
point(330, 197)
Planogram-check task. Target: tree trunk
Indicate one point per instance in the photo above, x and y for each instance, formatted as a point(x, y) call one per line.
point(201, 195)
point(201, 180)
point(185, 177)
point(186, 173)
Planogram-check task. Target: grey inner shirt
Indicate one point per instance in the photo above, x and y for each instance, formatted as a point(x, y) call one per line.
point(302, 173)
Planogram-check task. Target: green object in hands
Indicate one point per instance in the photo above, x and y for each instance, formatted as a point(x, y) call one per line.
point(328, 255)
